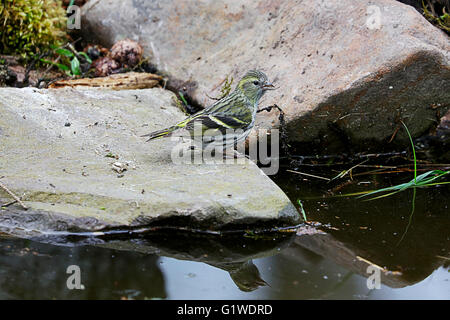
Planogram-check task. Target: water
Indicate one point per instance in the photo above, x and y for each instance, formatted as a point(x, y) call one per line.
point(413, 251)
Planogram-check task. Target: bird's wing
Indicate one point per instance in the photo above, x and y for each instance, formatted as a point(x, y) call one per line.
point(218, 122)
point(228, 113)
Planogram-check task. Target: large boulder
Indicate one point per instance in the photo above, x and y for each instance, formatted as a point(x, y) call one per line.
point(347, 71)
point(60, 147)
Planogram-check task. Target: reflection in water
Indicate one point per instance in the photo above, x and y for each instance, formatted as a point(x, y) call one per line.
point(233, 254)
point(32, 270)
point(244, 274)
point(331, 265)
point(408, 244)
point(139, 269)
point(124, 269)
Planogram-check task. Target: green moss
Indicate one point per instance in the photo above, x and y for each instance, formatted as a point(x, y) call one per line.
point(437, 13)
point(30, 27)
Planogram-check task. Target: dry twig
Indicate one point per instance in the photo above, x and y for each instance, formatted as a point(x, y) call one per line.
point(16, 198)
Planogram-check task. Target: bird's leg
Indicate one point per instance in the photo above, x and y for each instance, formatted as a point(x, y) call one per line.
point(233, 156)
point(239, 151)
point(228, 153)
point(239, 155)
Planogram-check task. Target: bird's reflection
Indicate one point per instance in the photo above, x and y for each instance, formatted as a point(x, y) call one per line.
point(233, 254)
point(245, 275)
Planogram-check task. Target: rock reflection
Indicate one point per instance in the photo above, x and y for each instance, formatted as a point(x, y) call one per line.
point(406, 236)
point(234, 254)
point(31, 270)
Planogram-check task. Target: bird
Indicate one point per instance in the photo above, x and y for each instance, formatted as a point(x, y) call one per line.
point(228, 120)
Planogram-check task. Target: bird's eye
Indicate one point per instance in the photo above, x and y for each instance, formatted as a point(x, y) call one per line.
point(256, 82)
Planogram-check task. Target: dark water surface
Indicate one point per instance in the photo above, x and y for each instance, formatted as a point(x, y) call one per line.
point(412, 250)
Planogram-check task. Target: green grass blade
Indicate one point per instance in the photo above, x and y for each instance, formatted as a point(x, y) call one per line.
point(413, 207)
point(86, 57)
point(413, 150)
point(435, 184)
point(183, 98)
point(399, 187)
point(421, 181)
point(302, 210)
point(383, 195)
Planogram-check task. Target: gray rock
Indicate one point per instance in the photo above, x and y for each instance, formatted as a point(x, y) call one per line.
point(437, 143)
point(347, 71)
point(99, 173)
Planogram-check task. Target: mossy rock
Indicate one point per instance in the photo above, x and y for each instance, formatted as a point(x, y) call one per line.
point(30, 27)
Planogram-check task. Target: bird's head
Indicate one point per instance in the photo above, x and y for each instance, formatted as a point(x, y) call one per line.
point(254, 84)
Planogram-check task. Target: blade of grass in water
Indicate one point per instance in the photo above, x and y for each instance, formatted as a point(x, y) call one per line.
point(413, 150)
point(302, 210)
point(182, 98)
point(413, 207)
point(423, 180)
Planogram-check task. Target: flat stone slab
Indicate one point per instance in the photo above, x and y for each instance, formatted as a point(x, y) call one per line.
point(58, 147)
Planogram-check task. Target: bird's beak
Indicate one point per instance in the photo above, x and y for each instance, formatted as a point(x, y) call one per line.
point(268, 86)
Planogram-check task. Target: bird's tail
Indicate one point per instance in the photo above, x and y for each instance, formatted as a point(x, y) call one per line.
point(160, 133)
